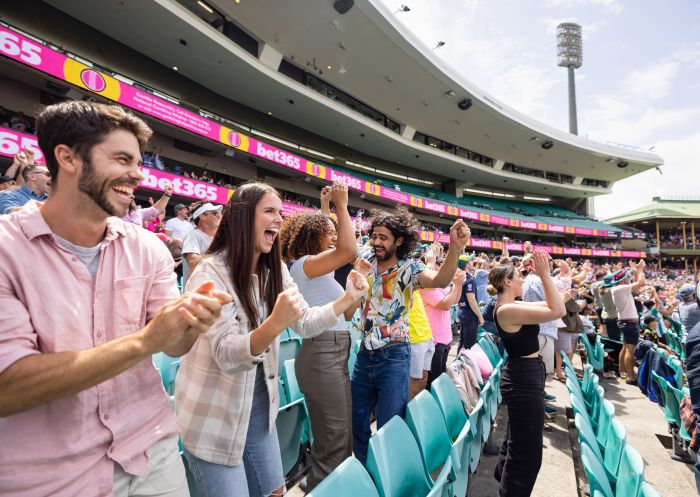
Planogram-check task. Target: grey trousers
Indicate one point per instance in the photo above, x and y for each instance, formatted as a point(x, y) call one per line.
point(322, 372)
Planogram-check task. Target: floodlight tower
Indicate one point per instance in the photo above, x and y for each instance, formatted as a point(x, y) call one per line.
point(570, 55)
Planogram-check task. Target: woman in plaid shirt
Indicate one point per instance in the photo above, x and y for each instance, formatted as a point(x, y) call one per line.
point(227, 387)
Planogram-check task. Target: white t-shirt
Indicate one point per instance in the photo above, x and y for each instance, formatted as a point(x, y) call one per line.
point(622, 297)
point(180, 227)
point(197, 242)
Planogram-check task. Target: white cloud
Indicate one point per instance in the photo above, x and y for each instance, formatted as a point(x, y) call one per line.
point(680, 178)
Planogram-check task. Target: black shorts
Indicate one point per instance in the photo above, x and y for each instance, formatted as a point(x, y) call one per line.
point(630, 332)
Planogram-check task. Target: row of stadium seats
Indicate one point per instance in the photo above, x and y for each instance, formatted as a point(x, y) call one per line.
point(614, 467)
point(419, 455)
point(495, 206)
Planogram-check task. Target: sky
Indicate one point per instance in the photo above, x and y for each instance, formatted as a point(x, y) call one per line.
point(639, 83)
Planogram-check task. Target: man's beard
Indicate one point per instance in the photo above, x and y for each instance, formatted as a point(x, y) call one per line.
point(388, 253)
point(98, 188)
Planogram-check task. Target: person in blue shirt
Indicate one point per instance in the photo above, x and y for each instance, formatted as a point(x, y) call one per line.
point(37, 186)
point(470, 317)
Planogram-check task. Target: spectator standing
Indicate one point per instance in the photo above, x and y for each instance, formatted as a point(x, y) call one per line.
point(179, 226)
point(226, 391)
point(437, 303)
point(692, 352)
point(381, 374)
point(422, 346)
point(470, 317)
point(37, 186)
point(82, 409)
point(688, 309)
point(140, 216)
point(315, 246)
point(627, 315)
point(206, 218)
point(609, 313)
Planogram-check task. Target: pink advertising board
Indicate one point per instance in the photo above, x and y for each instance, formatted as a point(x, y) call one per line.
point(27, 51)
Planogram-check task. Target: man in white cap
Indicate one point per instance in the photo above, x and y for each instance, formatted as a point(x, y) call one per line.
point(206, 217)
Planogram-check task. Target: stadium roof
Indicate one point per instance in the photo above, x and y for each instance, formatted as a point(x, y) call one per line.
point(384, 66)
point(660, 209)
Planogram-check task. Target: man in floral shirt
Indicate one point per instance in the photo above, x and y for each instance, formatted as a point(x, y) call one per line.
point(380, 377)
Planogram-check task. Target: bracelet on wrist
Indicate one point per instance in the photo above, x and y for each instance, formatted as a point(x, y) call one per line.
point(166, 195)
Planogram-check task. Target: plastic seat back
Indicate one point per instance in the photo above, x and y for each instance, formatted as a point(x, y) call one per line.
point(394, 461)
point(290, 424)
point(350, 479)
point(597, 478)
point(489, 398)
point(475, 422)
point(615, 445)
point(291, 385)
point(663, 388)
point(447, 397)
point(605, 416)
point(646, 490)
point(426, 422)
point(586, 435)
point(630, 474)
point(288, 350)
point(168, 368)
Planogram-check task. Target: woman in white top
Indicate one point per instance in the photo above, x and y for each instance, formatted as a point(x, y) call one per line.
point(226, 391)
point(314, 245)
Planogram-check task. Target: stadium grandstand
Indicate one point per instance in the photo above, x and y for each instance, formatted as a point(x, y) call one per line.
point(670, 225)
point(317, 97)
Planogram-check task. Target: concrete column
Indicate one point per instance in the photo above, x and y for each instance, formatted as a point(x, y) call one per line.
point(498, 165)
point(407, 132)
point(456, 188)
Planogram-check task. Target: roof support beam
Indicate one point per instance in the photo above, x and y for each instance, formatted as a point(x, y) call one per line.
point(407, 132)
point(498, 165)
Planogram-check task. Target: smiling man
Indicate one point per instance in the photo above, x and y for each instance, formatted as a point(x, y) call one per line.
point(86, 303)
point(380, 377)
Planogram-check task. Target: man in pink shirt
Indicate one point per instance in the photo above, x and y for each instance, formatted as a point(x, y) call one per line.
point(86, 302)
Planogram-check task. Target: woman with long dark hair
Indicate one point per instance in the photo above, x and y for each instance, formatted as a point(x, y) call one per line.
point(314, 245)
point(226, 391)
point(522, 382)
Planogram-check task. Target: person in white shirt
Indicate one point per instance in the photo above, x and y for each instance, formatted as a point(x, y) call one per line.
point(179, 226)
point(627, 315)
point(206, 217)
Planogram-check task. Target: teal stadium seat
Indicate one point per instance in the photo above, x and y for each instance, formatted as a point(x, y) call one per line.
point(425, 421)
point(290, 424)
point(615, 446)
point(646, 490)
point(458, 427)
point(630, 473)
point(167, 367)
point(597, 478)
point(289, 348)
point(395, 464)
point(350, 479)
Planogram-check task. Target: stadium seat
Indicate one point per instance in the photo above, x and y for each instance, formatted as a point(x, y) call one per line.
point(597, 478)
point(425, 421)
point(595, 354)
point(489, 399)
point(458, 427)
point(578, 406)
point(395, 464)
point(350, 479)
point(290, 424)
point(615, 445)
point(168, 368)
point(586, 436)
point(646, 490)
point(289, 378)
point(288, 350)
point(475, 422)
point(630, 473)
point(605, 415)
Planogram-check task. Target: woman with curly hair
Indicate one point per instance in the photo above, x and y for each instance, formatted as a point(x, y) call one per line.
point(380, 378)
point(314, 246)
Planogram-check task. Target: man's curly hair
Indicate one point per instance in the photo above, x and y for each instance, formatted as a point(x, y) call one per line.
point(402, 224)
point(302, 232)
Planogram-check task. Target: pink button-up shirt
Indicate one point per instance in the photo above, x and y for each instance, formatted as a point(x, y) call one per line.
point(49, 303)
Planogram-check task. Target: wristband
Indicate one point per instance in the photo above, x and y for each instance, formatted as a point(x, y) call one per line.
point(166, 195)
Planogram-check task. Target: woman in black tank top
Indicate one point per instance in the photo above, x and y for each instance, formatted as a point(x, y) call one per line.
point(522, 381)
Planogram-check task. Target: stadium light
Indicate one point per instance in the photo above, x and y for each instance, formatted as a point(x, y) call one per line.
point(570, 55)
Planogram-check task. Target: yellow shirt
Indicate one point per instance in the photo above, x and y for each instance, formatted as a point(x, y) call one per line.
point(418, 324)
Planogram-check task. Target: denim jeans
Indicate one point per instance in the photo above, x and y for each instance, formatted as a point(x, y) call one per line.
point(261, 471)
point(379, 379)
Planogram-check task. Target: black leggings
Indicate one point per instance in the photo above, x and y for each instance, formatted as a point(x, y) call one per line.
point(468, 331)
point(439, 362)
point(522, 386)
